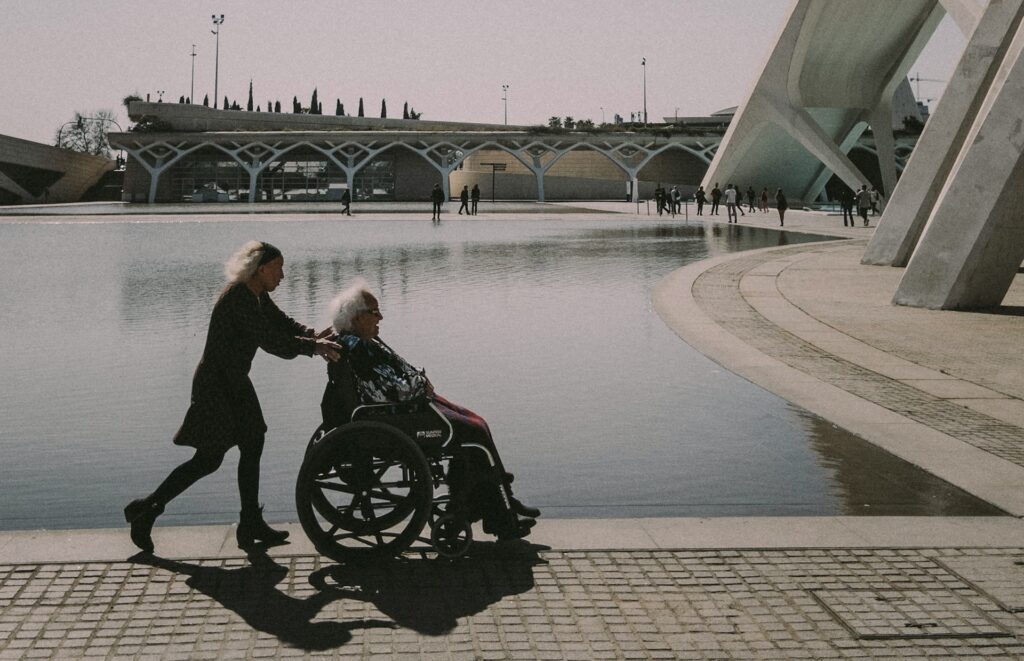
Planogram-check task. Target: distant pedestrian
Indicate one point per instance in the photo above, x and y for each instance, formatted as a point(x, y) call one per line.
point(781, 204)
point(875, 198)
point(716, 197)
point(437, 197)
point(464, 198)
point(739, 200)
point(863, 203)
point(676, 198)
point(730, 203)
point(701, 198)
point(474, 195)
point(659, 198)
point(346, 202)
point(846, 204)
point(764, 199)
point(751, 199)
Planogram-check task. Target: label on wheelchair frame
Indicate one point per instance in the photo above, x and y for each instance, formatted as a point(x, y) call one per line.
point(428, 434)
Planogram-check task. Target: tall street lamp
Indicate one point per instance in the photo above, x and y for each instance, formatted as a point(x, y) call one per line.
point(217, 20)
point(192, 93)
point(643, 63)
point(602, 114)
point(504, 97)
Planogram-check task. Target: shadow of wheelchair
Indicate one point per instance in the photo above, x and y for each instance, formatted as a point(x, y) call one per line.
point(425, 595)
point(430, 595)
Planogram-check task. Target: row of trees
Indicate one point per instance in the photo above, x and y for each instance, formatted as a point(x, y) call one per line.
point(569, 123)
point(315, 107)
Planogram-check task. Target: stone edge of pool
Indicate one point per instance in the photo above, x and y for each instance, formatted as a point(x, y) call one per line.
point(976, 471)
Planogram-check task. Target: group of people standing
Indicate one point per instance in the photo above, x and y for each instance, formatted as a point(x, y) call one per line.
point(733, 197)
point(466, 198)
point(864, 199)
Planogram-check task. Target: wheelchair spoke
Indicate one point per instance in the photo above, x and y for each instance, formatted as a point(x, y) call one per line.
point(335, 486)
point(384, 494)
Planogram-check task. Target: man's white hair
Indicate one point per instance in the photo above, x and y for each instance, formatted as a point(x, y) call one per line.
point(243, 263)
point(348, 304)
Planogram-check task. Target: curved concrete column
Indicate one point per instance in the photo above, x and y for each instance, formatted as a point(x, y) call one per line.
point(973, 243)
point(914, 198)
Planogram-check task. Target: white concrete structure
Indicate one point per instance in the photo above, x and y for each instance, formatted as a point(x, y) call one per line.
point(835, 69)
point(973, 242)
point(34, 173)
point(915, 196)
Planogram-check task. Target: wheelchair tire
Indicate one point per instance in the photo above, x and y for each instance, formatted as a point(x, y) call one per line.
point(364, 491)
point(451, 536)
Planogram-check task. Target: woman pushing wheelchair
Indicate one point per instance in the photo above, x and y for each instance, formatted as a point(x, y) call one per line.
point(370, 373)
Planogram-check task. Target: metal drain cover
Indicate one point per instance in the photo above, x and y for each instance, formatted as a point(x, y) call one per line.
point(878, 614)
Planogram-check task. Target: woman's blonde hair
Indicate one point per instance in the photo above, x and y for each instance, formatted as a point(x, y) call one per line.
point(347, 305)
point(243, 264)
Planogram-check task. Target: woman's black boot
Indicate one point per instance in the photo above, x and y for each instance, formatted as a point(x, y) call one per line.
point(142, 515)
point(252, 528)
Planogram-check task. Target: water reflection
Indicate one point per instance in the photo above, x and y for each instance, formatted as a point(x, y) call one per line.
point(544, 328)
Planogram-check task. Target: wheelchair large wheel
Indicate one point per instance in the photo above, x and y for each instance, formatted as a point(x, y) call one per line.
point(364, 491)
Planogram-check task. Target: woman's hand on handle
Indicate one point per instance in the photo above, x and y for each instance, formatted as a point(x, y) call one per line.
point(325, 333)
point(329, 351)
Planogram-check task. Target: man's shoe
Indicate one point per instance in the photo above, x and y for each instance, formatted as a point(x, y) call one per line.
point(252, 528)
point(141, 514)
point(524, 510)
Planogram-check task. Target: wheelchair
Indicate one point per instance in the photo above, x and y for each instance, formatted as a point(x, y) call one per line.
point(368, 488)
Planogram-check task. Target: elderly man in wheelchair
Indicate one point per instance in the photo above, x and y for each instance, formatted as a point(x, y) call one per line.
point(392, 456)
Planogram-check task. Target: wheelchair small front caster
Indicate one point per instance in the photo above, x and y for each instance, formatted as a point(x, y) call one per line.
point(451, 536)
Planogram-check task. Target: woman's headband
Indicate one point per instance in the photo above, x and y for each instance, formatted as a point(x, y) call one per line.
point(270, 253)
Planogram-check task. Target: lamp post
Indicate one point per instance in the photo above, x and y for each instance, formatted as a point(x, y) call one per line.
point(192, 93)
point(602, 114)
point(160, 96)
point(217, 21)
point(643, 63)
point(504, 97)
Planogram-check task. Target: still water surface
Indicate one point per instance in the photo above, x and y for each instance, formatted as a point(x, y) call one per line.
point(544, 327)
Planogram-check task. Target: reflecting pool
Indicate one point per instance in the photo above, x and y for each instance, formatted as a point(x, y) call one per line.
point(544, 327)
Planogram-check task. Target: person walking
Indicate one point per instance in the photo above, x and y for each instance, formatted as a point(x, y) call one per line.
point(751, 199)
point(716, 197)
point(730, 203)
point(701, 198)
point(474, 195)
point(739, 200)
point(659, 198)
point(846, 205)
point(875, 198)
point(437, 198)
point(676, 199)
point(346, 202)
point(225, 412)
point(764, 199)
point(464, 199)
point(863, 203)
point(781, 204)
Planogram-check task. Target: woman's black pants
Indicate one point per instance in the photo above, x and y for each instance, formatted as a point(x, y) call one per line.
point(205, 462)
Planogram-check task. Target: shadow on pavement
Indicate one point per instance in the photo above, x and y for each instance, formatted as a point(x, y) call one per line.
point(429, 596)
point(252, 593)
point(426, 595)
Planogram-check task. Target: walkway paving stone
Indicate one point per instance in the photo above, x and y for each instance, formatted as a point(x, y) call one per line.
point(523, 604)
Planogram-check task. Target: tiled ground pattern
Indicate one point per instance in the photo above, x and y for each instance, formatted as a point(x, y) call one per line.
point(801, 604)
point(717, 291)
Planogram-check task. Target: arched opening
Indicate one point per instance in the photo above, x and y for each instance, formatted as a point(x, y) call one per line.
point(585, 174)
point(673, 167)
point(499, 174)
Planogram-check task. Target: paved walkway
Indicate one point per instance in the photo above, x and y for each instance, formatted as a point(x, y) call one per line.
point(941, 389)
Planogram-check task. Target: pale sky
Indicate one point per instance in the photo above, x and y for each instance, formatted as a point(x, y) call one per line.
point(447, 59)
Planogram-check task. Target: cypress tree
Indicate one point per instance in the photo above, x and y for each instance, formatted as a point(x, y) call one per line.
point(343, 110)
point(226, 104)
point(361, 107)
point(314, 105)
point(383, 108)
point(295, 105)
point(277, 105)
point(181, 99)
point(248, 106)
point(188, 100)
point(206, 100)
point(270, 106)
point(405, 110)
point(337, 106)
point(319, 108)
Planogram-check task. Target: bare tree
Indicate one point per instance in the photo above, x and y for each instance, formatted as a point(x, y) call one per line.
point(87, 133)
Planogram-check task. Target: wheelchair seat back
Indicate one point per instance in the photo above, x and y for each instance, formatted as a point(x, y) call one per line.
point(419, 420)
